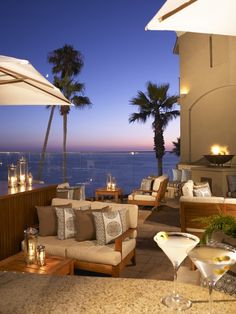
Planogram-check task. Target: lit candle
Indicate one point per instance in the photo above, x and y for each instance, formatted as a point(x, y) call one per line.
point(109, 186)
point(22, 179)
point(30, 179)
point(41, 256)
point(31, 252)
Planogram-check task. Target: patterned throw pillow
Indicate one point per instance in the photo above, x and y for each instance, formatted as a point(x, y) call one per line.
point(202, 190)
point(65, 223)
point(110, 225)
point(146, 184)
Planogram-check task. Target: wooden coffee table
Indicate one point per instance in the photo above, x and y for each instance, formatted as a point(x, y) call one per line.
point(117, 194)
point(55, 265)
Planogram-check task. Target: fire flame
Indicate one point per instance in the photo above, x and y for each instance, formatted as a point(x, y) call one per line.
point(219, 150)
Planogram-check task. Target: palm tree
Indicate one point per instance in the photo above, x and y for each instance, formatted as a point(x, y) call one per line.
point(156, 103)
point(67, 64)
point(176, 148)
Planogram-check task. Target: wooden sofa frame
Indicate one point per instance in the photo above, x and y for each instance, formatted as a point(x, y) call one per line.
point(112, 270)
point(189, 211)
point(159, 197)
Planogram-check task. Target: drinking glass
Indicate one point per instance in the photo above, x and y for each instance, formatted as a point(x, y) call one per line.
point(176, 246)
point(213, 260)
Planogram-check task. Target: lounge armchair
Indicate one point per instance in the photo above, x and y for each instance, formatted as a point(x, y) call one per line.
point(151, 197)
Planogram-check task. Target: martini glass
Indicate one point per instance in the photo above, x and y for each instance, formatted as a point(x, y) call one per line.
point(176, 246)
point(213, 260)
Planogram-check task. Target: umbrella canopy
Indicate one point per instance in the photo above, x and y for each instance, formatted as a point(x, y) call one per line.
point(22, 84)
point(197, 16)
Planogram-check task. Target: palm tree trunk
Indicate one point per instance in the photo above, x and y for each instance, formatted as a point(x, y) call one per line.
point(42, 159)
point(64, 147)
point(159, 166)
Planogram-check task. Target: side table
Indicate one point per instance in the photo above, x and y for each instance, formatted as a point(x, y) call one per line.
point(55, 265)
point(117, 194)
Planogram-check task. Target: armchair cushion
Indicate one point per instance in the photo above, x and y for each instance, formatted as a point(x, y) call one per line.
point(187, 188)
point(231, 179)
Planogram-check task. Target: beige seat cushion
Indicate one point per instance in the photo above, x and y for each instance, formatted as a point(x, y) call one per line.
point(87, 251)
point(142, 197)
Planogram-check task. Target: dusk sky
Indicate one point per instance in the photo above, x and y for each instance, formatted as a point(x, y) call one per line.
point(120, 57)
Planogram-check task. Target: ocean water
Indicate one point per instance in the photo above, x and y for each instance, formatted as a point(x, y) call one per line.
point(91, 168)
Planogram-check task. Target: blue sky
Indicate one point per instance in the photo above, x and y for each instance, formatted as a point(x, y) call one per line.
point(119, 56)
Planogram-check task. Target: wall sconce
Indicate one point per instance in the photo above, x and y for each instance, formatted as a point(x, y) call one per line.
point(184, 91)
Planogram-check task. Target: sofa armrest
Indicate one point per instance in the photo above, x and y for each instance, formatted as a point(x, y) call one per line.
point(119, 240)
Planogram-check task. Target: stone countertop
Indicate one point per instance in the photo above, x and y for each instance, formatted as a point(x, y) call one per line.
point(29, 293)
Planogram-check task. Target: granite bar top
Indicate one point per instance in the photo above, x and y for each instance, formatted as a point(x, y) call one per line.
point(30, 293)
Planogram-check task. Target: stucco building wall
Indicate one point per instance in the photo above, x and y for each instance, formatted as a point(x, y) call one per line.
point(208, 94)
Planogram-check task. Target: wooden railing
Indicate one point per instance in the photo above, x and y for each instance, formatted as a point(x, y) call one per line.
point(18, 212)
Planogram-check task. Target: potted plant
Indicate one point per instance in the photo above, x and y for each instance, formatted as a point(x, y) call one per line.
point(226, 224)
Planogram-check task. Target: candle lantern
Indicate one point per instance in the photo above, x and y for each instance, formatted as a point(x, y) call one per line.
point(30, 179)
point(12, 177)
point(109, 181)
point(22, 171)
point(41, 255)
point(113, 184)
point(30, 245)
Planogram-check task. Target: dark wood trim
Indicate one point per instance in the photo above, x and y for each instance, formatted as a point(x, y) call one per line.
point(176, 10)
point(18, 212)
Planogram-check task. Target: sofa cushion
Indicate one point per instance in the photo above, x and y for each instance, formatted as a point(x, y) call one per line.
point(65, 223)
point(84, 224)
point(110, 225)
point(213, 199)
point(48, 219)
point(87, 251)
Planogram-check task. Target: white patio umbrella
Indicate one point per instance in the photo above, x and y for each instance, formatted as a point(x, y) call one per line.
point(197, 16)
point(22, 84)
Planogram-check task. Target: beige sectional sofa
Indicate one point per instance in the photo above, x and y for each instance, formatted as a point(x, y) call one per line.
point(109, 258)
point(192, 208)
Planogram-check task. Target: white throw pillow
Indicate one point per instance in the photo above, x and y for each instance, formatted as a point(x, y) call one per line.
point(177, 174)
point(187, 188)
point(110, 225)
point(202, 190)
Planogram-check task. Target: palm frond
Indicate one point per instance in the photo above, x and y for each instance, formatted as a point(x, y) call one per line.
point(80, 102)
point(139, 117)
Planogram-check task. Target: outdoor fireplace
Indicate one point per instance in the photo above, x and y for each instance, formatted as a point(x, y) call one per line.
point(219, 156)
